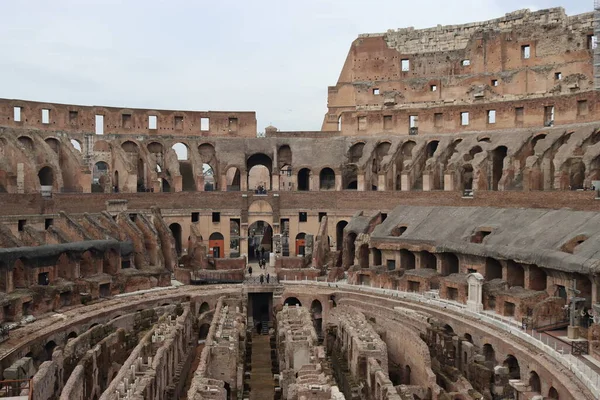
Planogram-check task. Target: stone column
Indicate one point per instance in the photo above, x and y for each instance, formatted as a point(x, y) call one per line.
point(223, 182)
point(244, 239)
point(311, 182)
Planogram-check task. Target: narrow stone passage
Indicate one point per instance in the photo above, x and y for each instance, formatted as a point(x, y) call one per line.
point(261, 378)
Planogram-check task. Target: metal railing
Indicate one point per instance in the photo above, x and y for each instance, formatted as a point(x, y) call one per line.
point(14, 389)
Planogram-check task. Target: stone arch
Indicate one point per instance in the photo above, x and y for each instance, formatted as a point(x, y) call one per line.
point(535, 139)
point(407, 259)
point(182, 150)
point(292, 301)
point(471, 154)
point(207, 152)
point(489, 353)
point(176, 232)
point(100, 177)
point(339, 234)
point(71, 335)
point(538, 278)
point(576, 170)
point(46, 176)
point(304, 179)
point(407, 149)
point(253, 166)
point(130, 147)
point(284, 156)
point(327, 179)
point(204, 307)
point(300, 243)
point(49, 349)
point(497, 157)
point(233, 178)
point(450, 264)
point(514, 371)
point(428, 260)
point(407, 373)
point(553, 393)
point(515, 274)
point(260, 236)
point(260, 207)
point(26, 142)
point(210, 180)
point(493, 269)
point(216, 241)
point(53, 143)
point(355, 152)
point(431, 148)
point(534, 382)
point(155, 148)
point(382, 149)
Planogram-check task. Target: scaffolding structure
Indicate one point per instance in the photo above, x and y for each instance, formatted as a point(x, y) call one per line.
point(594, 44)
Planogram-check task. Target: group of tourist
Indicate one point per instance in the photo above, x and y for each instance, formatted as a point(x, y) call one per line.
point(260, 189)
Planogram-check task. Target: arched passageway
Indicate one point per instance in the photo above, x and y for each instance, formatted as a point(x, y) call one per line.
point(316, 312)
point(203, 331)
point(292, 301)
point(514, 371)
point(176, 231)
point(301, 244)
point(339, 234)
point(259, 159)
point(233, 177)
point(216, 242)
point(46, 177)
point(498, 156)
point(260, 240)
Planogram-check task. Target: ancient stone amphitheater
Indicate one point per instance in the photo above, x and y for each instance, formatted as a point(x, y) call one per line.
point(439, 238)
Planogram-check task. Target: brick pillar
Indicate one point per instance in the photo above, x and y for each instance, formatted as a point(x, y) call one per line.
point(223, 182)
point(313, 181)
point(427, 182)
point(244, 181)
point(275, 182)
point(448, 183)
point(404, 182)
point(338, 182)
point(360, 183)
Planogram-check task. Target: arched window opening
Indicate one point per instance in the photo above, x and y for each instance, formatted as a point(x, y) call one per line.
point(259, 178)
point(514, 371)
point(450, 264)
point(553, 394)
point(327, 179)
point(407, 259)
point(292, 301)
point(182, 151)
point(208, 173)
point(260, 240)
point(46, 177)
point(355, 153)
point(204, 307)
point(431, 148)
point(339, 234)
point(304, 179)
point(100, 177)
point(493, 269)
point(216, 242)
point(54, 144)
point(377, 259)
point(407, 149)
point(534, 382)
point(428, 260)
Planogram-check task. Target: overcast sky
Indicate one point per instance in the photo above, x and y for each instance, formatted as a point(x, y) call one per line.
point(275, 57)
